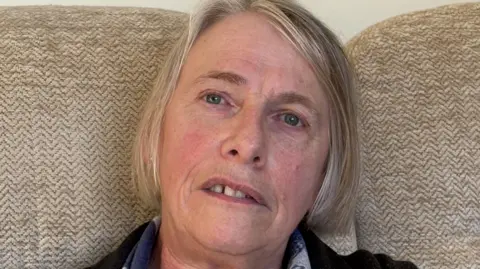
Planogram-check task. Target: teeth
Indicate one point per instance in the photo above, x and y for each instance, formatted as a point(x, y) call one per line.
point(217, 188)
point(240, 194)
point(229, 191)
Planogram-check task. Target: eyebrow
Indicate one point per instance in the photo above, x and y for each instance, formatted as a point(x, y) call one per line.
point(226, 76)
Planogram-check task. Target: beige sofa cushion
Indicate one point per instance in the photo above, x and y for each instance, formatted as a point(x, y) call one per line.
point(72, 83)
point(420, 122)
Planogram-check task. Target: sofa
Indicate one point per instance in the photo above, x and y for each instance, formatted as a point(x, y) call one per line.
point(73, 81)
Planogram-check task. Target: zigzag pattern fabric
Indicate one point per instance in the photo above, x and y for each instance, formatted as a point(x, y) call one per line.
point(72, 84)
point(419, 101)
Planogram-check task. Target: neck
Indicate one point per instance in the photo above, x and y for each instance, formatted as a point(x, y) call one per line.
point(176, 250)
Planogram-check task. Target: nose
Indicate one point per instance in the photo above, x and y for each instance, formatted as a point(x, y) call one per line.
point(245, 142)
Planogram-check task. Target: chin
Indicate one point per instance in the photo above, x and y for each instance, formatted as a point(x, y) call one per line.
point(224, 225)
point(228, 241)
point(228, 234)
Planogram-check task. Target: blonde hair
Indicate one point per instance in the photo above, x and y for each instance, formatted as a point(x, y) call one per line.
point(334, 206)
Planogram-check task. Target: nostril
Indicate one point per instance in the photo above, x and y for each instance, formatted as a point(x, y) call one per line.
point(234, 152)
point(256, 159)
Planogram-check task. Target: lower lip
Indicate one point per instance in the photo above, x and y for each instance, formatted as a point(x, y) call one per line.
point(230, 199)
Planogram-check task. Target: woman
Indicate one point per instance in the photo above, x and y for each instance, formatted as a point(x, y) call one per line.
point(248, 144)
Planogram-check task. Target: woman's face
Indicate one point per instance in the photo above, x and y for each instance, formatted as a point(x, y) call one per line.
point(244, 141)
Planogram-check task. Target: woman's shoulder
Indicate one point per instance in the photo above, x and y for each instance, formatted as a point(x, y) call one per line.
point(117, 258)
point(322, 256)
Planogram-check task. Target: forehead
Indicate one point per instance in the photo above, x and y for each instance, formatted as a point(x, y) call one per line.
point(248, 44)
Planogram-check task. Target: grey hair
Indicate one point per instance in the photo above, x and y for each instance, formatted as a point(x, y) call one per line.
point(334, 206)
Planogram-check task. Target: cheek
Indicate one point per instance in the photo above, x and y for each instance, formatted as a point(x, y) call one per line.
point(298, 172)
point(189, 143)
point(185, 147)
point(193, 141)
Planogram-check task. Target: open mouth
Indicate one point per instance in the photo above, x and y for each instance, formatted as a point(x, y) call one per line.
point(227, 190)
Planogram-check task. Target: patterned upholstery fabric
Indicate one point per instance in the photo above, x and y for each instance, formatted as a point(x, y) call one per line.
point(419, 103)
point(72, 84)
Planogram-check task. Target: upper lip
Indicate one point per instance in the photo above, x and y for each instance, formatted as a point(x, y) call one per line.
point(238, 187)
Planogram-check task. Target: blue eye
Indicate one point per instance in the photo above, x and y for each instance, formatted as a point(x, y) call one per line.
point(213, 99)
point(291, 120)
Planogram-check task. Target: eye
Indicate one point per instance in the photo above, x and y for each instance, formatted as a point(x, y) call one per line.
point(213, 99)
point(291, 119)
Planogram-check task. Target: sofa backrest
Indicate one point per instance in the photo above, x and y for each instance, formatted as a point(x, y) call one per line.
point(72, 84)
point(419, 116)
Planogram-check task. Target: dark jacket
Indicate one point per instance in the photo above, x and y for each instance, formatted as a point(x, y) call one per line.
point(321, 256)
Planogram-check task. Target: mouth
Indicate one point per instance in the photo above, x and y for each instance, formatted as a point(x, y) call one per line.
point(227, 190)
